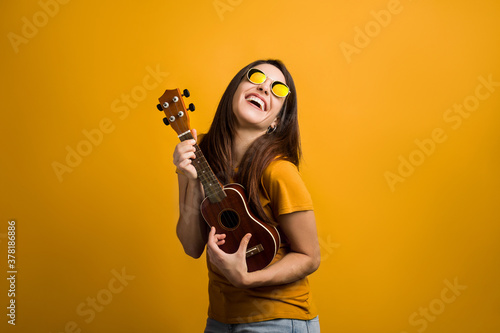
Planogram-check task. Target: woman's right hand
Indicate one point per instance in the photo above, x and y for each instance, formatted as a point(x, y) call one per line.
point(184, 153)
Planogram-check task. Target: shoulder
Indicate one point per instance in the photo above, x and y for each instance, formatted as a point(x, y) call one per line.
point(280, 170)
point(284, 188)
point(280, 167)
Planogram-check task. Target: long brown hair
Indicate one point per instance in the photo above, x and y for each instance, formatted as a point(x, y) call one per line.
point(283, 143)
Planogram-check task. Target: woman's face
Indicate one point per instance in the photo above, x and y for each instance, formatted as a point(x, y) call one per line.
point(254, 105)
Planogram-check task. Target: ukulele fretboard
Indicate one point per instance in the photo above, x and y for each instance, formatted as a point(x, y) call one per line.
point(211, 185)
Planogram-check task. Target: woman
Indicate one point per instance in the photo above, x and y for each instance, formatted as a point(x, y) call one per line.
point(254, 141)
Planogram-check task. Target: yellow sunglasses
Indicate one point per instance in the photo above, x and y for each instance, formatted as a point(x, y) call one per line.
point(256, 76)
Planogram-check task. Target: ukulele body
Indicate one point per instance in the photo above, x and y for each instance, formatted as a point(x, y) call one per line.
point(231, 216)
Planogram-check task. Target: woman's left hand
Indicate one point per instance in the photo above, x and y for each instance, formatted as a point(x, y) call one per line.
point(233, 266)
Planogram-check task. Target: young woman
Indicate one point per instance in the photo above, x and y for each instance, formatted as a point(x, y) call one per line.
point(254, 140)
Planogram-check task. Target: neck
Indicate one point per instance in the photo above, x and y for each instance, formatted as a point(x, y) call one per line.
point(241, 141)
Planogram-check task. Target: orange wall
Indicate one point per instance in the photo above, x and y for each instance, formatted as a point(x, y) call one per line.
point(398, 104)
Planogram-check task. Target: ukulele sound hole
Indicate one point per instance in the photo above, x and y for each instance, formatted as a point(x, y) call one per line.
point(229, 219)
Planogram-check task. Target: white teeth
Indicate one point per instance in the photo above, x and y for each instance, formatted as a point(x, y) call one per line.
point(256, 99)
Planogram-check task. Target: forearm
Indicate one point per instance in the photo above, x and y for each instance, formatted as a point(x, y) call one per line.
point(292, 267)
point(191, 229)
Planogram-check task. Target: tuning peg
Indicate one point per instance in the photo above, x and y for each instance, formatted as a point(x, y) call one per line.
point(186, 93)
point(159, 107)
point(165, 121)
point(191, 107)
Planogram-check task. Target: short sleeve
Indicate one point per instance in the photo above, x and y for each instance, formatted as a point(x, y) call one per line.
point(284, 190)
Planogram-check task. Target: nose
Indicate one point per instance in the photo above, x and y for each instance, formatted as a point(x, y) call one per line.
point(265, 86)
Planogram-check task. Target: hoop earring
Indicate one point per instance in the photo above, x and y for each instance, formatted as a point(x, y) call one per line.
point(271, 130)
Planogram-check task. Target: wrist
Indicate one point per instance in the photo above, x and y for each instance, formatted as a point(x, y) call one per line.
point(243, 282)
point(194, 183)
point(251, 280)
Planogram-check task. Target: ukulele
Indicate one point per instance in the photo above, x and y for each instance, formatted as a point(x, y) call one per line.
point(224, 206)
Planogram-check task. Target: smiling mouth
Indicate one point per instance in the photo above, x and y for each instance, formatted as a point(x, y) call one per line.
point(256, 101)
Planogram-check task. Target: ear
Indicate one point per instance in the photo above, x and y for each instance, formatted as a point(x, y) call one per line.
point(275, 122)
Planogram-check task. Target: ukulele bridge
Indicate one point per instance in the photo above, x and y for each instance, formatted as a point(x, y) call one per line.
point(254, 250)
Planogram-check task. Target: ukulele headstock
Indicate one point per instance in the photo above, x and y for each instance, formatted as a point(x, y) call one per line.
point(176, 114)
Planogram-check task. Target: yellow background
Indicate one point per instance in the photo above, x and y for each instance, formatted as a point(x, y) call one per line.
point(387, 249)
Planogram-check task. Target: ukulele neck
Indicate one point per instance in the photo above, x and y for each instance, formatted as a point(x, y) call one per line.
point(211, 185)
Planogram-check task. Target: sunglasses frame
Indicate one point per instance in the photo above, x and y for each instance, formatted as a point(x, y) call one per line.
point(272, 82)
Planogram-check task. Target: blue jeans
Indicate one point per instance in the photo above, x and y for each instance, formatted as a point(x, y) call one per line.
point(270, 326)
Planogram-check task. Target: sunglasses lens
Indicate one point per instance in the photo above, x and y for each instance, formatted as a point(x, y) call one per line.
point(280, 89)
point(256, 76)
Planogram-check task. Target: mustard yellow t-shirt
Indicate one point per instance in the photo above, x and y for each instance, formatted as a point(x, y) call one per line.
point(284, 192)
